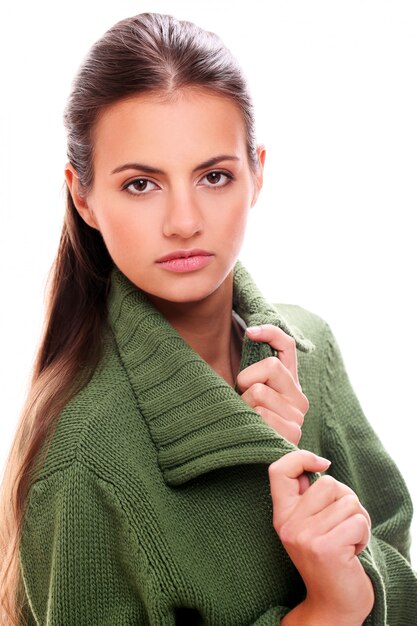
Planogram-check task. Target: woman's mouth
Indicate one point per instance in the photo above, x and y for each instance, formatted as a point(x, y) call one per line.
point(182, 261)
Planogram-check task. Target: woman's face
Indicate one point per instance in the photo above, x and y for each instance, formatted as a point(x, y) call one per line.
point(171, 193)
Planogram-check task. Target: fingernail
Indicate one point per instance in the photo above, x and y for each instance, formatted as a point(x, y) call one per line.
point(254, 330)
point(321, 458)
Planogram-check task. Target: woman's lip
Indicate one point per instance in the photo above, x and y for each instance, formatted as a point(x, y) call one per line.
point(185, 260)
point(183, 254)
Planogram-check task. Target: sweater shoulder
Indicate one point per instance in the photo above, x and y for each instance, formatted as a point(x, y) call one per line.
point(100, 426)
point(309, 324)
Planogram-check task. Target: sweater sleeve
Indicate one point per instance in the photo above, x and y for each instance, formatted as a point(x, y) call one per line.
point(80, 560)
point(360, 461)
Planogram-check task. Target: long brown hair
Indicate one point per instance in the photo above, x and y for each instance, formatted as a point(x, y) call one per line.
point(142, 54)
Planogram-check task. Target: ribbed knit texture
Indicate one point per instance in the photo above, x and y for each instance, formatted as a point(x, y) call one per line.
point(153, 505)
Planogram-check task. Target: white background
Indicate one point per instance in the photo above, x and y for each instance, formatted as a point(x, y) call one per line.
point(335, 88)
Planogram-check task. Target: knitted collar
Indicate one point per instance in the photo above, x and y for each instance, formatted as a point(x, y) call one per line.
point(197, 422)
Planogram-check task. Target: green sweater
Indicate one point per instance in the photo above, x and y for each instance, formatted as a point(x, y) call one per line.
point(153, 505)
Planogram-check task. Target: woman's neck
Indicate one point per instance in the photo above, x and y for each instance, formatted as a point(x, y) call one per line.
point(206, 326)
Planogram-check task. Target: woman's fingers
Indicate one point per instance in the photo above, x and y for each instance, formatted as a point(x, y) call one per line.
point(271, 386)
point(305, 515)
point(273, 374)
point(276, 410)
point(287, 485)
point(290, 430)
point(323, 522)
point(280, 341)
point(289, 467)
point(323, 528)
point(323, 493)
point(352, 535)
point(339, 545)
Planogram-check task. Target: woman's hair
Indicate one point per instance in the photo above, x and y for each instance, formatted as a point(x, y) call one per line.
point(148, 53)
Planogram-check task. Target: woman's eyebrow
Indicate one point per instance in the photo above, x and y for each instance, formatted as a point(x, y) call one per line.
point(154, 170)
point(215, 160)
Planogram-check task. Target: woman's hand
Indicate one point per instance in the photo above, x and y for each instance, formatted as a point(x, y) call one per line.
point(271, 386)
point(323, 527)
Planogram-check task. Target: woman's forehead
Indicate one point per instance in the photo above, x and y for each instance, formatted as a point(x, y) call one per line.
point(194, 126)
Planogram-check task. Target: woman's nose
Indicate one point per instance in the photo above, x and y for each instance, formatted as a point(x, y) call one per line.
point(182, 216)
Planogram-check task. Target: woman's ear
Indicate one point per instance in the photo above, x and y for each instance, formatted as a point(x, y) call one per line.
point(79, 200)
point(259, 174)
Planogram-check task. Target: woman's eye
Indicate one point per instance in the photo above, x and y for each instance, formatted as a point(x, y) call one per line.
point(140, 186)
point(217, 179)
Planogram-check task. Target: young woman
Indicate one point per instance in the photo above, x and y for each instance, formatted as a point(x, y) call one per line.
point(163, 472)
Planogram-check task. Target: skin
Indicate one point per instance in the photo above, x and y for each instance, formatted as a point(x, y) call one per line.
point(144, 215)
point(178, 209)
point(271, 386)
point(323, 528)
